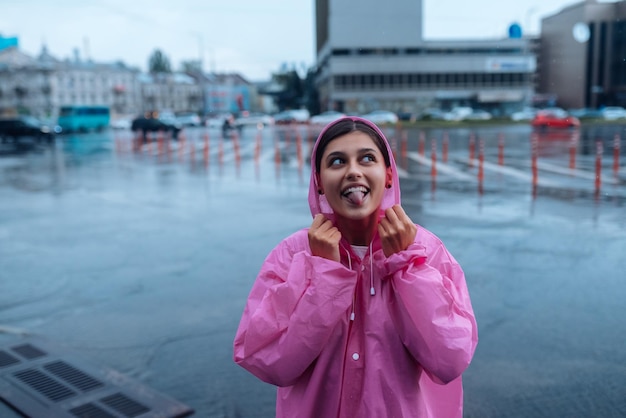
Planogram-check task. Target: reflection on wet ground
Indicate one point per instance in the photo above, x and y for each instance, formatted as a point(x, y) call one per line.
point(140, 256)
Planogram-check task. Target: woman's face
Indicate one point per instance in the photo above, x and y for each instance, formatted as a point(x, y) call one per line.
point(353, 176)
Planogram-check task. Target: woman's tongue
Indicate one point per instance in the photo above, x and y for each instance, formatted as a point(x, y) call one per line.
point(356, 197)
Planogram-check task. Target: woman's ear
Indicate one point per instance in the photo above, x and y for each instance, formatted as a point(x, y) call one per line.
point(318, 183)
point(389, 178)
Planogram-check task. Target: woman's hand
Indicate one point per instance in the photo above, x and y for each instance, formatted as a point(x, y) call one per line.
point(324, 238)
point(396, 230)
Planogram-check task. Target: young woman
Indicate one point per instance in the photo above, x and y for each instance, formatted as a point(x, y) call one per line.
point(363, 314)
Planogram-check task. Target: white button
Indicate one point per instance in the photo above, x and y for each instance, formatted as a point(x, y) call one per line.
point(355, 356)
point(362, 267)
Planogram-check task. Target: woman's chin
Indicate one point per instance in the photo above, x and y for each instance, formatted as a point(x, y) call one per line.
point(357, 214)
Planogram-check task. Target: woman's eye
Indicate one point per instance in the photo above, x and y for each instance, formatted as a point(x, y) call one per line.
point(336, 161)
point(369, 158)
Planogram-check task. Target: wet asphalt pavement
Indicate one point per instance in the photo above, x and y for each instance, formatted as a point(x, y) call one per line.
point(141, 260)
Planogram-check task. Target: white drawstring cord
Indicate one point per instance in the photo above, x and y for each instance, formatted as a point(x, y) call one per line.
point(353, 293)
point(372, 291)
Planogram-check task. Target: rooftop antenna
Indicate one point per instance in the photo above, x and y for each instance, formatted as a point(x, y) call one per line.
point(86, 48)
point(201, 52)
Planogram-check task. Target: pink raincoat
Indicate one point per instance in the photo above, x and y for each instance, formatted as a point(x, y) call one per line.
point(372, 337)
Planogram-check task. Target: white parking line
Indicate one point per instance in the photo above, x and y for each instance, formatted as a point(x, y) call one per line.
point(402, 173)
point(519, 174)
point(572, 172)
point(231, 156)
point(441, 167)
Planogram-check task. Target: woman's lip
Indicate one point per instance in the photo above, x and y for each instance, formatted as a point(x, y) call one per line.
point(358, 186)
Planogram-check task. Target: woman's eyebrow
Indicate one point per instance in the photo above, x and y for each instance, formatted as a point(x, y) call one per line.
point(335, 154)
point(342, 154)
point(359, 151)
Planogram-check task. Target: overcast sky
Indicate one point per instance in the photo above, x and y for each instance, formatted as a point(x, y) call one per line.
point(251, 37)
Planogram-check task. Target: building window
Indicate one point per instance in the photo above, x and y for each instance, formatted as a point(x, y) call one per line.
point(341, 52)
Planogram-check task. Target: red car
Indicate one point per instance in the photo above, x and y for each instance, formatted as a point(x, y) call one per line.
point(554, 118)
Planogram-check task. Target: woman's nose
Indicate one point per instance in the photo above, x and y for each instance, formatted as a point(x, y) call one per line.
point(354, 170)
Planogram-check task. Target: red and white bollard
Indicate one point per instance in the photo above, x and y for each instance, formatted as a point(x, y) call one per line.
point(599, 151)
point(403, 147)
point(481, 161)
point(257, 147)
point(534, 145)
point(616, 151)
point(472, 150)
point(501, 149)
point(433, 157)
point(205, 153)
point(573, 145)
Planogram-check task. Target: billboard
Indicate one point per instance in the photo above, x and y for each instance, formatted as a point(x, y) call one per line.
point(510, 64)
point(8, 42)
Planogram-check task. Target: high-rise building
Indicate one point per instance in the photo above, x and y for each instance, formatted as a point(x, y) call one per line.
point(373, 56)
point(583, 48)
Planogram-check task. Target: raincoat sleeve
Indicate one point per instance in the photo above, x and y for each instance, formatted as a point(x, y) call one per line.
point(295, 304)
point(432, 310)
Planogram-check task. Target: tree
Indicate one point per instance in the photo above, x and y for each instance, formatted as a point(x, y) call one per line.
point(290, 97)
point(191, 67)
point(159, 63)
point(311, 95)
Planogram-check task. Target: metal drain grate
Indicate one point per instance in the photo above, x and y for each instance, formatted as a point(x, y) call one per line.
point(45, 385)
point(73, 376)
point(28, 351)
point(7, 359)
point(90, 411)
point(40, 380)
point(124, 405)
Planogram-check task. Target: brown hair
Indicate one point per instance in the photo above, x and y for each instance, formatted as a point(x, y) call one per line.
point(343, 127)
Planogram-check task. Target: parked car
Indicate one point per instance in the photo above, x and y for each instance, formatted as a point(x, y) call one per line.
point(121, 123)
point(431, 114)
point(22, 129)
point(216, 119)
point(152, 122)
point(255, 119)
point(284, 118)
point(526, 114)
point(327, 117)
point(585, 113)
point(407, 116)
point(188, 119)
point(381, 117)
point(458, 113)
point(478, 114)
point(292, 116)
point(613, 113)
point(554, 118)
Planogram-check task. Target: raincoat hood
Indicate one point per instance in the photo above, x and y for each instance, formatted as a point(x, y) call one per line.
point(318, 202)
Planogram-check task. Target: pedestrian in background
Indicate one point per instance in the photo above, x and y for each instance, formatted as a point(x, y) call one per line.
point(364, 313)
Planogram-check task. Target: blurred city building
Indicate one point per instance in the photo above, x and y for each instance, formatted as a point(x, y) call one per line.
point(584, 50)
point(579, 61)
point(392, 67)
point(176, 92)
point(40, 86)
point(227, 93)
